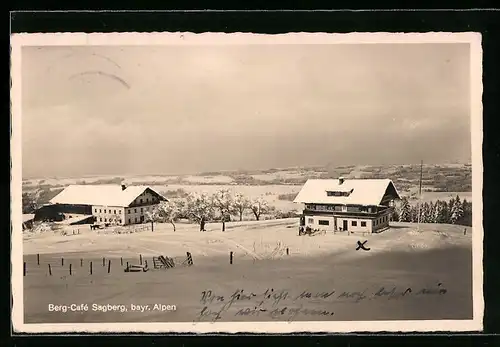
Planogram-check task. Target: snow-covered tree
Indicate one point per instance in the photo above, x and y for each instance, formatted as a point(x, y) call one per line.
point(425, 212)
point(259, 206)
point(437, 212)
point(429, 218)
point(199, 208)
point(395, 214)
point(223, 202)
point(442, 212)
point(29, 201)
point(241, 204)
point(154, 215)
point(168, 211)
point(405, 210)
point(467, 213)
point(457, 211)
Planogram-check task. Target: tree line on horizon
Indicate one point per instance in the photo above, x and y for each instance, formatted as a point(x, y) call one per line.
point(453, 211)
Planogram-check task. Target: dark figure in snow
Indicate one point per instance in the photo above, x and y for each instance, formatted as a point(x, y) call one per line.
point(202, 224)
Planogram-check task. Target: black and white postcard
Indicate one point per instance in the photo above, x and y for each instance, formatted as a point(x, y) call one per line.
point(301, 182)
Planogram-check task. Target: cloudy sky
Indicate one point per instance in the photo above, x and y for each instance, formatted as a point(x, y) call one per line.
point(180, 109)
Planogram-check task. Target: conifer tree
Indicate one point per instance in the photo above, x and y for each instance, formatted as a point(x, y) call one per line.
point(456, 211)
point(405, 210)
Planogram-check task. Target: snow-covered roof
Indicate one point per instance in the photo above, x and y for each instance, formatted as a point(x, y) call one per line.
point(27, 217)
point(102, 194)
point(362, 191)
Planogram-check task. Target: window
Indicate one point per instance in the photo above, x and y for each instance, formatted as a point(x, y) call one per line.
point(114, 211)
point(344, 208)
point(104, 211)
point(100, 219)
point(100, 210)
point(323, 222)
point(135, 211)
point(147, 199)
point(129, 211)
point(141, 201)
point(363, 224)
point(310, 221)
point(129, 221)
point(354, 223)
point(136, 219)
point(142, 210)
point(119, 211)
point(105, 220)
point(119, 221)
point(95, 210)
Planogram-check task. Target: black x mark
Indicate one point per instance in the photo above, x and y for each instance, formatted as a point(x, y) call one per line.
point(362, 246)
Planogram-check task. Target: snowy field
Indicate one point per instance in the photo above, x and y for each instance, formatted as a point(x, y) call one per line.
point(361, 285)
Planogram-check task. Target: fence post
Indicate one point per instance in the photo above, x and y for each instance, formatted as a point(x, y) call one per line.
point(103, 261)
point(109, 266)
point(81, 262)
point(38, 258)
point(62, 261)
point(230, 257)
point(145, 263)
point(24, 269)
point(90, 268)
point(121, 261)
point(70, 270)
point(189, 258)
point(140, 258)
point(50, 271)
point(287, 251)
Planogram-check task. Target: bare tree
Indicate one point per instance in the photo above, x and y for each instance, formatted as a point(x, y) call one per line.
point(259, 207)
point(241, 204)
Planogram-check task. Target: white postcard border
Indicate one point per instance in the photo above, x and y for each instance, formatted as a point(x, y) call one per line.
point(143, 39)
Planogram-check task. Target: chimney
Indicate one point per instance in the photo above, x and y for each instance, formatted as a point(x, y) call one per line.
point(124, 187)
point(341, 180)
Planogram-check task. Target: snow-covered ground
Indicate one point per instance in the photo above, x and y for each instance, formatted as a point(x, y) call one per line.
point(437, 257)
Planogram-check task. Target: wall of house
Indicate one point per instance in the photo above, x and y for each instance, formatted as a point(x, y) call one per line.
point(133, 214)
point(105, 214)
point(354, 225)
point(380, 223)
point(314, 222)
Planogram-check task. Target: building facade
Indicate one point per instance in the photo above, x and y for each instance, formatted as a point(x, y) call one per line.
point(357, 205)
point(113, 204)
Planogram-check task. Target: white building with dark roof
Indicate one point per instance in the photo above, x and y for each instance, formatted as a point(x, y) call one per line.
point(105, 203)
point(352, 205)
